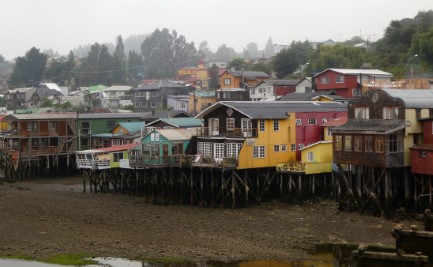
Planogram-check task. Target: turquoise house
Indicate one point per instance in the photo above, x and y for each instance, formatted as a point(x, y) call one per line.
point(160, 146)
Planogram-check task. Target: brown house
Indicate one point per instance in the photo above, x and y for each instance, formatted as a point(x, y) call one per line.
point(235, 84)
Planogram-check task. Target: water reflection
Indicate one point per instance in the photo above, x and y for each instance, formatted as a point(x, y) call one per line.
point(320, 260)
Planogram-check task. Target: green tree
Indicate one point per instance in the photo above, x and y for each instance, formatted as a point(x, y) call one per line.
point(237, 63)
point(290, 59)
point(29, 70)
point(97, 67)
point(119, 62)
point(338, 56)
point(214, 78)
point(60, 71)
point(225, 53)
point(164, 53)
point(135, 68)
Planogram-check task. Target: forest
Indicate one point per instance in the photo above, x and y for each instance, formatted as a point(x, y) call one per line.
point(160, 54)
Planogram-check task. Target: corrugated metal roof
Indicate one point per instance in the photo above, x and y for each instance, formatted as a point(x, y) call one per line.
point(275, 109)
point(118, 88)
point(180, 122)
point(45, 116)
point(371, 126)
point(132, 127)
point(111, 115)
point(371, 72)
point(413, 98)
point(177, 134)
point(107, 135)
point(249, 74)
point(279, 82)
point(159, 84)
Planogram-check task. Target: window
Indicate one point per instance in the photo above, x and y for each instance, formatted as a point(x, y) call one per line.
point(368, 143)
point(204, 148)
point(246, 127)
point(324, 120)
point(329, 131)
point(276, 148)
point(230, 124)
point(356, 92)
point(395, 143)
point(154, 93)
point(227, 81)
point(379, 144)
point(218, 150)
point(389, 113)
point(300, 146)
point(348, 143)
point(117, 156)
point(54, 141)
point(116, 142)
point(259, 152)
point(312, 121)
point(325, 80)
point(293, 147)
point(111, 124)
point(357, 143)
point(154, 137)
point(362, 113)
point(262, 125)
point(338, 142)
point(232, 149)
point(32, 126)
point(422, 154)
point(298, 122)
point(283, 148)
point(339, 79)
point(52, 126)
point(276, 125)
point(310, 156)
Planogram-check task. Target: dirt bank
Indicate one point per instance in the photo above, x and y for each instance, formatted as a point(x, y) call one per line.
point(52, 216)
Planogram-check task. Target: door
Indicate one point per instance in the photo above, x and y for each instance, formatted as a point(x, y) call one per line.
point(214, 125)
point(165, 153)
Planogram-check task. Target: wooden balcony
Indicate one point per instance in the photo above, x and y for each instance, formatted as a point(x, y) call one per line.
point(236, 132)
point(93, 164)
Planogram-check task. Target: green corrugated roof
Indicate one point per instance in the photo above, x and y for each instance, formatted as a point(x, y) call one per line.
point(132, 127)
point(96, 88)
point(183, 122)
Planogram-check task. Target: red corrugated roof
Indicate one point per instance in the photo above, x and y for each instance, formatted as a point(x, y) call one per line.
point(335, 122)
point(118, 148)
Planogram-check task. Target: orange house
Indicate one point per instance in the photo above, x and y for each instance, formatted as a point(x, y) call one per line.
point(240, 79)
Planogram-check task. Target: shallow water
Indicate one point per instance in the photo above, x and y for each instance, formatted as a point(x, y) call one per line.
point(321, 260)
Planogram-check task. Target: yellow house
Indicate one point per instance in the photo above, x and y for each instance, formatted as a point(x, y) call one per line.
point(260, 134)
point(238, 79)
point(317, 158)
point(203, 99)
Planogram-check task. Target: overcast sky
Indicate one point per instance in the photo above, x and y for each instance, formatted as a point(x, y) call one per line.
point(64, 25)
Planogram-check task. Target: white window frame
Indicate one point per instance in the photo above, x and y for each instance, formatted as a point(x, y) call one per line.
point(276, 125)
point(390, 113)
point(324, 80)
point(276, 148)
point(262, 125)
point(283, 148)
point(259, 152)
point(298, 122)
point(204, 148)
point(310, 156)
point(361, 113)
point(339, 79)
point(227, 81)
point(218, 150)
point(292, 147)
point(312, 121)
point(301, 146)
point(232, 149)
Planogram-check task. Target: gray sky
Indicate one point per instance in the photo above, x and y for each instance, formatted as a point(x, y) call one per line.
point(64, 25)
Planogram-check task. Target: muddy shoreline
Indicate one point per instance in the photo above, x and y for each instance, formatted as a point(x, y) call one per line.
point(45, 217)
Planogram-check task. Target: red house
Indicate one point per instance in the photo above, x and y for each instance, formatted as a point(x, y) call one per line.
point(421, 155)
point(347, 82)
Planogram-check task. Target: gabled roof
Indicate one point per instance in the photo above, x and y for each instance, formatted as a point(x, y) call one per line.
point(315, 144)
point(248, 74)
point(357, 72)
point(371, 126)
point(45, 116)
point(413, 98)
point(311, 96)
point(179, 122)
point(176, 134)
point(274, 109)
point(132, 127)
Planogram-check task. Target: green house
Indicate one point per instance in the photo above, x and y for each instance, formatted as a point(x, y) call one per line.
point(90, 124)
point(161, 145)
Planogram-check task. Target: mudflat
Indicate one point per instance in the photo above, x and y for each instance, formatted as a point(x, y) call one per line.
point(45, 217)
